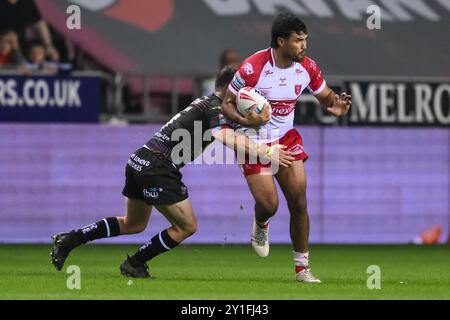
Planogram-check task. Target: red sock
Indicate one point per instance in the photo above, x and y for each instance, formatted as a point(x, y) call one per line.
point(300, 268)
point(263, 225)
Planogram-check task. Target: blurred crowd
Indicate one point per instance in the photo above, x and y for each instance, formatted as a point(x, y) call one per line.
point(228, 57)
point(29, 45)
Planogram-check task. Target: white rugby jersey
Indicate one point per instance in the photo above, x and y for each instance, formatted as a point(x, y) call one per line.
point(282, 87)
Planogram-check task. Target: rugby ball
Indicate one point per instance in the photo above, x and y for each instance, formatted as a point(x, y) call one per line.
point(248, 97)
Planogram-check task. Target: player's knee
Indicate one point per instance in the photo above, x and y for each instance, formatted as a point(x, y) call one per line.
point(139, 228)
point(131, 228)
point(297, 205)
point(135, 229)
point(189, 228)
point(272, 208)
point(267, 206)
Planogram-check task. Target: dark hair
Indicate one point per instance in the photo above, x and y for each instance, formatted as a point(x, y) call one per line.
point(225, 76)
point(35, 43)
point(284, 25)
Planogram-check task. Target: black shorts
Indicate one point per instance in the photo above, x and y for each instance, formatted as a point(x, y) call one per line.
point(153, 179)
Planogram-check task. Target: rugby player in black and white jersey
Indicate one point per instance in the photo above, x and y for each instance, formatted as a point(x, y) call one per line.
point(153, 179)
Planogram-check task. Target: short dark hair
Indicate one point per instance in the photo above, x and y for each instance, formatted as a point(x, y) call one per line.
point(35, 43)
point(284, 25)
point(224, 77)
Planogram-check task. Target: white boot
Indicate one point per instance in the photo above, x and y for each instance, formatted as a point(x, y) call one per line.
point(260, 239)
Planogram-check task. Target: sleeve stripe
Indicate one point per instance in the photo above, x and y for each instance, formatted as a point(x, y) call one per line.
point(322, 86)
point(232, 89)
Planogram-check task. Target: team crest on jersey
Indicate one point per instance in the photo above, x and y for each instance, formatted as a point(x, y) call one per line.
point(298, 89)
point(248, 68)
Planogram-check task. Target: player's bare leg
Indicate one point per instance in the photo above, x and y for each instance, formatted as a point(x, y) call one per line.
point(184, 224)
point(264, 191)
point(292, 181)
point(183, 220)
point(136, 218)
point(135, 221)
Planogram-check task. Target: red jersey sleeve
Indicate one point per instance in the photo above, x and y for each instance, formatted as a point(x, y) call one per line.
point(317, 82)
point(249, 72)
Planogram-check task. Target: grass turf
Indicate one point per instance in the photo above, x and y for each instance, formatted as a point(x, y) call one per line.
point(229, 272)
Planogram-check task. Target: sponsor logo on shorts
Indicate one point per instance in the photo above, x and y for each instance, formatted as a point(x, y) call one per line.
point(140, 161)
point(296, 149)
point(152, 193)
point(136, 163)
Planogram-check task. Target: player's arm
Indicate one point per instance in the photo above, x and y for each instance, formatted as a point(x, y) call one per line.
point(337, 105)
point(252, 119)
point(241, 143)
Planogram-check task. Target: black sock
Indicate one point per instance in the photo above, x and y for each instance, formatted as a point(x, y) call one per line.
point(160, 243)
point(105, 228)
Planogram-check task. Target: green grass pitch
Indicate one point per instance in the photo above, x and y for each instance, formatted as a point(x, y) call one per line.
point(229, 272)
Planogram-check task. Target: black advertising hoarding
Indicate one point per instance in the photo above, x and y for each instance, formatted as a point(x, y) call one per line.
point(421, 102)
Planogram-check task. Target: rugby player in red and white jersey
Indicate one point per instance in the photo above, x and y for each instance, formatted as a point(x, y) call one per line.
point(281, 73)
